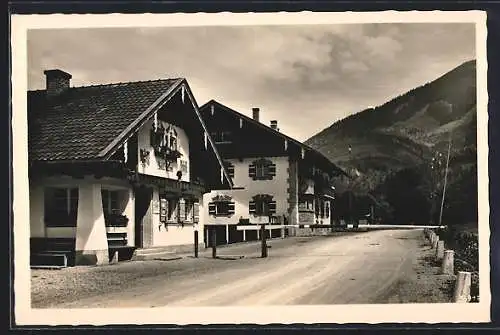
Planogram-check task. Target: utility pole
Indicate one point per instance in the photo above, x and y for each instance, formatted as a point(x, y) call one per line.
point(445, 181)
point(350, 190)
point(263, 241)
point(372, 215)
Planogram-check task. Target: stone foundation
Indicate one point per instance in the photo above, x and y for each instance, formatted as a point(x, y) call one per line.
point(92, 257)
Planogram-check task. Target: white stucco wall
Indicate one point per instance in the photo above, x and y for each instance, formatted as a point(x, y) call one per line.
point(172, 234)
point(151, 167)
point(37, 225)
point(277, 187)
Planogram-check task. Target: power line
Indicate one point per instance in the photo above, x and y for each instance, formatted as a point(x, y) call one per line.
point(445, 180)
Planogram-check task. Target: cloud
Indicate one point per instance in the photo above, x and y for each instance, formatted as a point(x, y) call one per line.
point(304, 76)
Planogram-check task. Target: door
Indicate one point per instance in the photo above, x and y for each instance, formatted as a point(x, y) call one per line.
point(143, 219)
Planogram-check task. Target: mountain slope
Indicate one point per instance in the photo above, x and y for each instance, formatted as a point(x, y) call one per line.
point(405, 131)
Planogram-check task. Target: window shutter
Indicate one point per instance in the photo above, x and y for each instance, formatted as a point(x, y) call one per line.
point(211, 208)
point(271, 170)
point(252, 207)
point(182, 210)
point(196, 212)
point(272, 207)
point(230, 208)
point(251, 171)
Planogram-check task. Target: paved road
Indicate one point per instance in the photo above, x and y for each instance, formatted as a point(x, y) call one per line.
point(356, 268)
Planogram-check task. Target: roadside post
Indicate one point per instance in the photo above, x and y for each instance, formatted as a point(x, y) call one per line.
point(214, 241)
point(447, 266)
point(263, 239)
point(196, 240)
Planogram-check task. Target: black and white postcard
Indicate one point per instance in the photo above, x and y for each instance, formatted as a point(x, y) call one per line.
point(250, 168)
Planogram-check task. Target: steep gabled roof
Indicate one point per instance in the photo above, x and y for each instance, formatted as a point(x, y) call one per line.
point(84, 121)
point(309, 151)
point(90, 123)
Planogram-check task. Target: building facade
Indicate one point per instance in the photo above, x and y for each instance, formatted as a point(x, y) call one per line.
point(116, 167)
point(273, 175)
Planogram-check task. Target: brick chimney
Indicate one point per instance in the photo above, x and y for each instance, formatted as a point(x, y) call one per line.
point(57, 81)
point(255, 112)
point(274, 125)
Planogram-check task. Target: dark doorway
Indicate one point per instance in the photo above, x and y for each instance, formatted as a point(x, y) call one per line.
point(220, 236)
point(235, 235)
point(143, 218)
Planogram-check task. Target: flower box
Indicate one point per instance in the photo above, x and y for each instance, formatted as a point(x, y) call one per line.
point(115, 220)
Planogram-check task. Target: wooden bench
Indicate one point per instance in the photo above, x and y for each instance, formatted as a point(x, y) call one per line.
point(117, 243)
point(52, 252)
point(117, 239)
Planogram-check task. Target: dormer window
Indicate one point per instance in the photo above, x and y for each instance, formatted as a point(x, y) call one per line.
point(262, 169)
point(222, 137)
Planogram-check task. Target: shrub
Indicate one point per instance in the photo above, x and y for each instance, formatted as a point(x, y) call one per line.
point(466, 247)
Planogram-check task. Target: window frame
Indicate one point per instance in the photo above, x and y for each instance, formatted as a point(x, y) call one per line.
point(222, 136)
point(214, 207)
point(262, 169)
point(262, 205)
point(327, 209)
point(229, 168)
point(109, 201)
point(71, 207)
point(172, 209)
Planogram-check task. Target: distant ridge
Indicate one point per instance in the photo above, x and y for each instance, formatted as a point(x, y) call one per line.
point(407, 129)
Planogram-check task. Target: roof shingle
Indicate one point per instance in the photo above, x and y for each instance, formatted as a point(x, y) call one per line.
point(82, 121)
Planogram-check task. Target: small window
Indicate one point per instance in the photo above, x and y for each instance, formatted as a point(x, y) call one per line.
point(111, 202)
point(60, 207)
point(262, 169)
point(189, 211)
point(184, 166)
point(229, 168)
point(172, 138)
point(172, 208)
point(221, 206)
point(321, 208)
point(262, 205)
point(222, 137)
point(196, 212)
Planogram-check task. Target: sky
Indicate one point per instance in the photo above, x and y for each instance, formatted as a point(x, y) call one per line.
point(304, 76)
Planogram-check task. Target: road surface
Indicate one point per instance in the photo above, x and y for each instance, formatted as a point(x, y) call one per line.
point(351, 269)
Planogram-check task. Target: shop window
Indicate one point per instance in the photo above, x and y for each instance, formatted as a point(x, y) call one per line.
point(221, 205)
point(60, 207)
point(262, 169)
point(262, 205)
